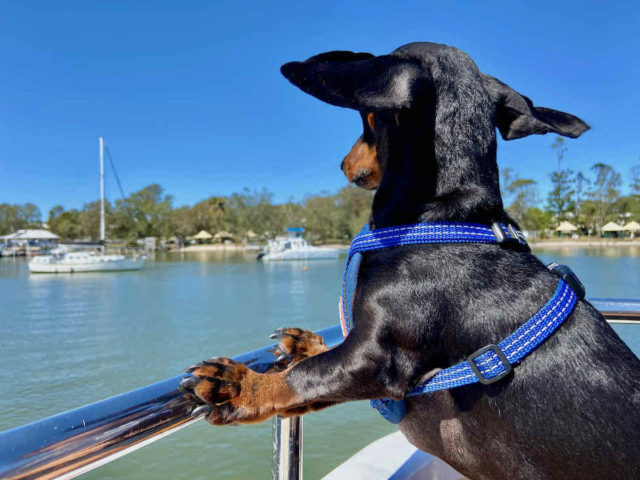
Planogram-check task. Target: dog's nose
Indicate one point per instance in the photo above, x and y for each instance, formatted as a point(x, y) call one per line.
point(342, 164)
point(361, 177)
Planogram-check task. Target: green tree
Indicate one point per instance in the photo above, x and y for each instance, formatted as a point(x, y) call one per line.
point(31, 215)
point(521, 197)
point(291, 214)
point(626, 207)
point(354, 209)
point(603, 193)
point(89, 220)
point(582, 185)
point(208, 214)
point(635, 180)
point(253, 210)
point(559, 199)
point(10, 219)
point(537, 220)
point(17, 217)
point(525, 198)
point(144, 213)
point(181, 222)
point(64, 223)
point(321, 217)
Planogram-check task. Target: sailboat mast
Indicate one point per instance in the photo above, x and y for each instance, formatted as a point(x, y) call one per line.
point(102, 189)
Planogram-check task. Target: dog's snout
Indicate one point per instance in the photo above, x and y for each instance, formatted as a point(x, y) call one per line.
point(360, 166)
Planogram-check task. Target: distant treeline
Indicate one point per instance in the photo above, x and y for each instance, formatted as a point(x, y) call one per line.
point(150, 213)
point(589, 200)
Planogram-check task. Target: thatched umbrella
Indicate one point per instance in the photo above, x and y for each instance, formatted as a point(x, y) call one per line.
point(632, 227)
point(202, 235)
point(566, 227)
point(612, 227)
point(223, 236)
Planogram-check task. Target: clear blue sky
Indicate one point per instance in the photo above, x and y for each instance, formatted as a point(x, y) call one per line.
point(189, 94)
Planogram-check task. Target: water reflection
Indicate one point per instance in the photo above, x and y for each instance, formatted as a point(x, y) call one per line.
point(216, 256)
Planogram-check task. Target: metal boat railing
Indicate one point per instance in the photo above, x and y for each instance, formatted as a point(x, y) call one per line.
point(77, 441)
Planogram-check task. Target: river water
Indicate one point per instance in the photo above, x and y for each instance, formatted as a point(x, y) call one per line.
point(68, 340)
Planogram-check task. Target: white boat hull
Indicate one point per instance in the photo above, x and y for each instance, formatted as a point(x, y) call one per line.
point(115, 265)
point(314, 253)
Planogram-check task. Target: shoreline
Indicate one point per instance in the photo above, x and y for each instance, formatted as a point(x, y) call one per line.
point(211, 248)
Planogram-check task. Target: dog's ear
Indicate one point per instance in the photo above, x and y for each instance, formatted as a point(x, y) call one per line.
point(355, 80)
point(516, 117)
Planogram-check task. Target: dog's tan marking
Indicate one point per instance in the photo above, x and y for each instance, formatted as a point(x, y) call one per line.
point(360, 166)
point(301, 344)
point(241, 395)
point(371, 122)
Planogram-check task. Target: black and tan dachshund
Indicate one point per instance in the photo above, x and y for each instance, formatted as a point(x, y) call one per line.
point(571, 410)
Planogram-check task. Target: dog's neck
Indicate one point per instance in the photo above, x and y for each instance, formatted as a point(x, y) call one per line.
point(439, 163)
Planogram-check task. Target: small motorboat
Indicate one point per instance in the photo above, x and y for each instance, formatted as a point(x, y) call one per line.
point(294, 247)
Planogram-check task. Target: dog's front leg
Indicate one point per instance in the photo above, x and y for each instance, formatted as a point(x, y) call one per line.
point(229, 392)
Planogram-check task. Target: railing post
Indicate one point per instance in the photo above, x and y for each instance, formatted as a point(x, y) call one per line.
point(287, 448)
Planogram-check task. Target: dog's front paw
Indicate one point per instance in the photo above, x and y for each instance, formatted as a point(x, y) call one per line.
point(217, 385)
point(295, 345)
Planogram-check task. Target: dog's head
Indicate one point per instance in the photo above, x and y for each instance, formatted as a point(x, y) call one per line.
point(437, 92)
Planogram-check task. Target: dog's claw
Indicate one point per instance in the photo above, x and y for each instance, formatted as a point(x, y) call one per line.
point(192, 368)
point(201, 411)
point(188, 383)
point(287, 357)
point(277, 333)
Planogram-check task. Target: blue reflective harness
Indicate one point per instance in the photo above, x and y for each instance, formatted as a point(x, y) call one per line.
point(490, 363)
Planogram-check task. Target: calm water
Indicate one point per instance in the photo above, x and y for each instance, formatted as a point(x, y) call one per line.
point(68, 340)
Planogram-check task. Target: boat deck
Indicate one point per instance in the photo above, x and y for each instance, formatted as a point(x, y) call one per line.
point(393, 458)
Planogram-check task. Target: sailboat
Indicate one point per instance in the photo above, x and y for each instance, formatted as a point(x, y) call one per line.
point(61, 260)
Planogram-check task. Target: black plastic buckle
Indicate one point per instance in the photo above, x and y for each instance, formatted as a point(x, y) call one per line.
point(570, 278)
point(516, 240)
point(503, 359)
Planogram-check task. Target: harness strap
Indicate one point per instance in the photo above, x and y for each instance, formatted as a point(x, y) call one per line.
point(419, 233)
point(493, 362)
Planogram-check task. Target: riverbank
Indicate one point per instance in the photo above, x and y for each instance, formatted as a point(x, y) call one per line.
point(218, 247)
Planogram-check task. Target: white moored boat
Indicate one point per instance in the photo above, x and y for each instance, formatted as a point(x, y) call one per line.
point(294, 247)
point(63, 262)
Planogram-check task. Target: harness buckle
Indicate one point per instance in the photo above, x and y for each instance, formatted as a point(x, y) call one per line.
point(501, 356)
point(570, 278)
point(515, 240)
